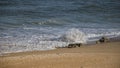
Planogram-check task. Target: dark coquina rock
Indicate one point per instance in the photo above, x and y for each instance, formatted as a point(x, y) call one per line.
point(102, 40)
point(74, 45)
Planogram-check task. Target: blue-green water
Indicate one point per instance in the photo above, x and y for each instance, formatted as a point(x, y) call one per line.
point(43, 24)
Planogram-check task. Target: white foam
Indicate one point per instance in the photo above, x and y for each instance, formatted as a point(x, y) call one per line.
point(75, 36)
point(109, 34)
point(97, 36)
point(47, 40)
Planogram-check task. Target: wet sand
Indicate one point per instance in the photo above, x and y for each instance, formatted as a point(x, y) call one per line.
point(105, 55)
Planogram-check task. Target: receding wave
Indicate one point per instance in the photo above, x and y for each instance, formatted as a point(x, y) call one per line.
point(41, 42)
point(46, 41)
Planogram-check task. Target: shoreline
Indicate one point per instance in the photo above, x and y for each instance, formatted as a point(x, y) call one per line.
point(111, 40)
point(104, 55)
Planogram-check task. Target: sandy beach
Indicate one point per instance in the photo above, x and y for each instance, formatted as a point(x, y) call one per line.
point(105, 55)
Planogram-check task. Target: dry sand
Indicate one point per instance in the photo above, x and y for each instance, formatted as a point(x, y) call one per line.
point(105, 55)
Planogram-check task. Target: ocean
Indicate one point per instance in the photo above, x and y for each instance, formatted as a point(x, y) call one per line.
point(29, 25)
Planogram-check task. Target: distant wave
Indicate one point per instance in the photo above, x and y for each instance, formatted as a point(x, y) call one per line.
point(48, 22)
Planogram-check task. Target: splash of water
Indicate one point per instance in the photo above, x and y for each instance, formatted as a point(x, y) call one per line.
point(74, 36)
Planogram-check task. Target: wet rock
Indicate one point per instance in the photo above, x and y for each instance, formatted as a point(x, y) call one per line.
point(102, 40)
point(74, 45)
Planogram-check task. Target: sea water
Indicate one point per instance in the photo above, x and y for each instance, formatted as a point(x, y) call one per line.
point(27, 25)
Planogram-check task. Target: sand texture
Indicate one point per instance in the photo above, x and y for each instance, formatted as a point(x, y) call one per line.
point(105, 55)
